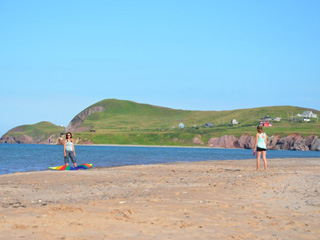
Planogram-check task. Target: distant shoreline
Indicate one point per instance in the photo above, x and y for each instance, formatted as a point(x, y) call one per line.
point(156, 146)
point(160, 146)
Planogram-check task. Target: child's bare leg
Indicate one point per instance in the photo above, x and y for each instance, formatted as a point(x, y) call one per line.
point(264, 157)
point(258, 160)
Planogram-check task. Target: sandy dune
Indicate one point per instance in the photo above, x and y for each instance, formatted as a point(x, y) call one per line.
point(202, 200)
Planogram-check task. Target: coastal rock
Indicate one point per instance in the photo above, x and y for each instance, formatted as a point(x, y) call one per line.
point(315, 144)
point(226, 141)
point(245, 141)
point(291, 142)
point(309, 140)
point(197, 141)
point(60, 141)
point(16, 139)
point(25, 139)
point(272, 141)
point(286, 143)
point(300, 145)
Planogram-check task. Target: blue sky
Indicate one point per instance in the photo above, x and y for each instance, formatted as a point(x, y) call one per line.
point(59, 57)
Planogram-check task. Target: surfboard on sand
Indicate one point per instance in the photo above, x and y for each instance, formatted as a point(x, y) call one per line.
point(65, 167)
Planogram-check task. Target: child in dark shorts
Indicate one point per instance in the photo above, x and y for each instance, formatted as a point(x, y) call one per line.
point(261, 147)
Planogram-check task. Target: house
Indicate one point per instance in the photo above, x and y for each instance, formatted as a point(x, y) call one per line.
point(265, 124)
point(209, 124)
point(267, 118)
point(277, 119)
point(234, 121)
point(181, 125)
point(309, 114)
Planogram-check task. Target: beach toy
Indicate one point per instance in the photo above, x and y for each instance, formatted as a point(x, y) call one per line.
point(65, 167)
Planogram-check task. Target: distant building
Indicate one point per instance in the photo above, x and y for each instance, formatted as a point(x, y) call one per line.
point(181, 125)
point(267, 118)
point(234, 122)
point(277, 119)
point(265, 124)
point(209, 124)
point(309, 114)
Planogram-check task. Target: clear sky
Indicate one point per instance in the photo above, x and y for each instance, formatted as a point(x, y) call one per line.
point(59, 57)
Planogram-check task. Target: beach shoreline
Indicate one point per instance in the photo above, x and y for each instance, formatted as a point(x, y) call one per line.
point(225, 199)
point(155, 146)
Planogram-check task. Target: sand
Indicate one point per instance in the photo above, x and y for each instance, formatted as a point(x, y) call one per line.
point(195, 200)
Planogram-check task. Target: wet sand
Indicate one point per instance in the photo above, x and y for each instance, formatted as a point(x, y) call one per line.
point(195, 200)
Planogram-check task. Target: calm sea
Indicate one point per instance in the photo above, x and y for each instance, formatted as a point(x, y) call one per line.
point(34, 157)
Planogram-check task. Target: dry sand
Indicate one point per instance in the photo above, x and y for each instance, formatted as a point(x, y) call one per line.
point(198, 200)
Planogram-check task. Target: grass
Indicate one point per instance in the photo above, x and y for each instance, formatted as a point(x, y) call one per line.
point(126, 122)
point(40, 131)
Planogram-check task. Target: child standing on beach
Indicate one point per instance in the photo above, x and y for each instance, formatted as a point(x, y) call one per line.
point(261, 147)
point(68, 149)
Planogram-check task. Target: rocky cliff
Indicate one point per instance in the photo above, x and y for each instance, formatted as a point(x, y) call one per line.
point(290, 142)
point(25, 139)
point(74, 125)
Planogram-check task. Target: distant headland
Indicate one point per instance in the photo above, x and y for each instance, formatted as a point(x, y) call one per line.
point(113, 121)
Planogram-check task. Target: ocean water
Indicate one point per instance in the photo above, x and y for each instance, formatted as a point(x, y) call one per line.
point(34, 157)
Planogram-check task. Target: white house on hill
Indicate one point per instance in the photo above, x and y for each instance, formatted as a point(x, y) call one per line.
point(309, 114)
point(234, 121)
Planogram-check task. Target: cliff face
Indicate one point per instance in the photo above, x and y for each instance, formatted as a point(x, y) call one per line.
point(290, 142)
point(226, 141)
point(74, 125)
point(53, 139)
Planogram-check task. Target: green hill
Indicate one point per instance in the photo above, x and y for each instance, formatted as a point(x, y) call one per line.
point(127, 122)
point(34, 133)
point(114, 121)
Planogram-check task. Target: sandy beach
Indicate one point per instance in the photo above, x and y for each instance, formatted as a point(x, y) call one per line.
point(194, 200)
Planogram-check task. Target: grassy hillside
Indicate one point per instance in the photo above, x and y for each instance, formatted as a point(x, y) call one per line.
point(40, 131)
point(127, 122)
point(128, 116)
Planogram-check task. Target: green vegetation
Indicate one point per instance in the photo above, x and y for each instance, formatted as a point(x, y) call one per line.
point(127, 122)
point(40, 131)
